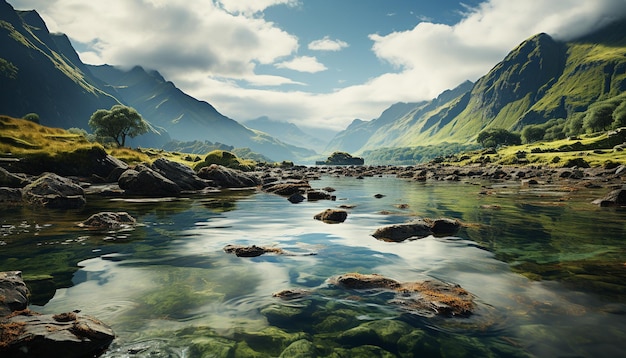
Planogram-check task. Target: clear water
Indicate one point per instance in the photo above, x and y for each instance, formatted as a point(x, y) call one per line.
point(547, 267)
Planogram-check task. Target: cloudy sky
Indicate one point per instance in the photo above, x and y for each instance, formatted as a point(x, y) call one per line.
point(316, 63)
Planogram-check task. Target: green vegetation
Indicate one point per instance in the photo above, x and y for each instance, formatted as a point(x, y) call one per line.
point(7, 69)
point(118, 123)
point(33, 117)
point(493, 138)
point(227, 159)
point(341, 158)
point(415, 155)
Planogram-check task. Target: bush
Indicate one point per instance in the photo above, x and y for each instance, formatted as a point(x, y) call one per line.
point(226, 159)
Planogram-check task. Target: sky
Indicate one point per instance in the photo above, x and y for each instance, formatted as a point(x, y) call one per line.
point(317, 63)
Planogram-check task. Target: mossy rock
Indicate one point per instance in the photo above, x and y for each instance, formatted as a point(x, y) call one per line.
point(302, 348)
point(369, 351)
point(226, 159)
point(269, 341)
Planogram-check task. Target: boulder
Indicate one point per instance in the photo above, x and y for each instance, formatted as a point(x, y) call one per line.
point(146, 182)
point(288, 188)
point(10, 196)
point(616, 197)
point(109, 221)
point(73, 335)
point(332, 216)
point(417, 229)
point(424, 298)
point(229, 178)
point(399, 232)
point(24, 333)
point(313, 195)
point(11, 180)
point(180, 174)
point(13, 292)
point(53, 191)
point(296, 198)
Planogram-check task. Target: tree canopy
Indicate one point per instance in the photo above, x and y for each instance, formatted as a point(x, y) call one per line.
point(118, 123)
point(498, 136)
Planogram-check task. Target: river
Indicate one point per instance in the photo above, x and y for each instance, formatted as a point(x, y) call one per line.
point(547, 269)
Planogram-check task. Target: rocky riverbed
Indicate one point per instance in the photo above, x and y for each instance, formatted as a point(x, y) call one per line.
point(26, 331)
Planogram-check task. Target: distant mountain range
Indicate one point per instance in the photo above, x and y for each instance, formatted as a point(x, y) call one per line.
point(42, 73)
point(286, 132)
point(542, 81)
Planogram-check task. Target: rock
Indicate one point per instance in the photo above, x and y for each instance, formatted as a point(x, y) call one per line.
point(379, 196)
point(444, 227)
point(229, 178)
point(291, 294)
point(357, 281)
point(109, 221)
point(180, 174)
point(251, 251)
point(396, 233)
point(313, 195)
point(288, 189)
point(10, 196)
point(300, 349)
point(24, 333)
point(296, 198)
point(147, 182)
point(332, 216)
point(53, 191)
point(616, 197)
point(13, 292)
point(12, 180)
point(34, 335)
point(424, 298)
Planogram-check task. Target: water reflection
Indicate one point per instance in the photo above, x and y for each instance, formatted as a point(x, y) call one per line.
point(171, 278)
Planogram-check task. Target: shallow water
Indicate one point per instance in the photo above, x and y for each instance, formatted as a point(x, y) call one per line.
point(547, 269)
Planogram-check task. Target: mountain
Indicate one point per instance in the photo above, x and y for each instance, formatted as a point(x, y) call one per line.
point(286, 132)
point(185, 118)
point(541, 82)
point(41, 73)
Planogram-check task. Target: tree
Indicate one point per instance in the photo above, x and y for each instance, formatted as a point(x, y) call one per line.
point(496, 137)
point(599, 117)
point(118, 123)
point(533, 133)
point(33, 117)
point(619, 116)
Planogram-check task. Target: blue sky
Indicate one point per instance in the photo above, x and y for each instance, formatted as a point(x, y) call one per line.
point(316, 63)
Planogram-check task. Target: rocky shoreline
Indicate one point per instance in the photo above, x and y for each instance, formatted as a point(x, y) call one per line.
point(21, 185)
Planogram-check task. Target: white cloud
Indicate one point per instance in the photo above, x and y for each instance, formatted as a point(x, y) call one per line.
point(253, 6)
point(326, 44)
point(211, 49)
point(303, 64)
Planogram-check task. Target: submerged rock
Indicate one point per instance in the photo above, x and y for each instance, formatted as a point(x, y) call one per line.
point(109, 221)
point(332, 216)
point(616, 197)
point(251, 251)
point(53, 191)
point(423, 298)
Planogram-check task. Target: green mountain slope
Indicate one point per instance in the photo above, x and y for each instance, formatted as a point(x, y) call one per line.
point(39, 76)
point(538, 82)
point(186, 118)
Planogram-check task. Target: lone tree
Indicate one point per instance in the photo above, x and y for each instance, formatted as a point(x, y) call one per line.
point(117, 123)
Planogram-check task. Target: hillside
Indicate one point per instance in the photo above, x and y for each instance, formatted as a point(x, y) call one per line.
point(40, 73)
point(286, 132)
point(540, 82)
